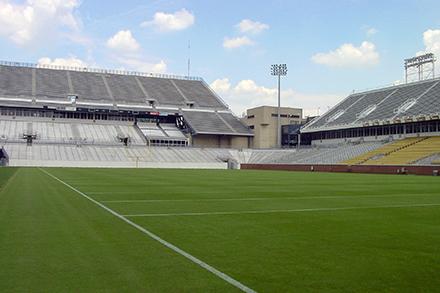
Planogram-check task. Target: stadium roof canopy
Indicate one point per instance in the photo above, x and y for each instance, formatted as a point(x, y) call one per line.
point(403, 103)
point(37, 86)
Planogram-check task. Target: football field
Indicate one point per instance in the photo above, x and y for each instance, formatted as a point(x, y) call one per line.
point(157, 230)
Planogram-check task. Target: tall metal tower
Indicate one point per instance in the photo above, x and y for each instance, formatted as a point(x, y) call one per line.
point(422, 66)
point(279, 70)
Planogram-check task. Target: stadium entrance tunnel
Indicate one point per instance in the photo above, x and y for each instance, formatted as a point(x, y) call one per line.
point(4, 158)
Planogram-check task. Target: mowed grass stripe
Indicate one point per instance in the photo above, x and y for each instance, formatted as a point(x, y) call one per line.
point(6, 176)
point(52, 240)
point(167, 244)
point(224, 207)
point(167, 184)
point(285, 211)
point(263, 198)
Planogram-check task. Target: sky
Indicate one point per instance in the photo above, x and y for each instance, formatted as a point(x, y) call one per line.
point(331, 48)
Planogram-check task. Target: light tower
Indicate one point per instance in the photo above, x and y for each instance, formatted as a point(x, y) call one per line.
point(418, 63)
point(279, 70)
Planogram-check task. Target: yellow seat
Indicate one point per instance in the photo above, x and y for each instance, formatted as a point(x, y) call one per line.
point(402, 152)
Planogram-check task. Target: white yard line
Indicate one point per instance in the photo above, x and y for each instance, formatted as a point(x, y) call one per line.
point(131, 192)
point(176, 249)
point(114, 192)
point(284, 211)
point(263, 198)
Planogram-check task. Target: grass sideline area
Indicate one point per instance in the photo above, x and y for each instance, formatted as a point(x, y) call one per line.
point(5, 175)
point(271, 231)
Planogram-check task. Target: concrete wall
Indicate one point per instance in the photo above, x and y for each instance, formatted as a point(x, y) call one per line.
point(220, 141)
point(376, 169)
point(212, 141)
point(240, 142)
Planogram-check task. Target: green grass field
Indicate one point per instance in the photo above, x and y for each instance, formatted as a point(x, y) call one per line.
point(270, 231)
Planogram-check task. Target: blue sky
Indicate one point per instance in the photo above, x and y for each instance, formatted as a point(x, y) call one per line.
point(331, 47)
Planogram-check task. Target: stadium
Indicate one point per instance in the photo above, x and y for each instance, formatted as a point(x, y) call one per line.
point(72, 117)
point(127, 181)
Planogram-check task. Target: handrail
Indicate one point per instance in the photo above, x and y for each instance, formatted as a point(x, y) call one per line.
point(98, 70)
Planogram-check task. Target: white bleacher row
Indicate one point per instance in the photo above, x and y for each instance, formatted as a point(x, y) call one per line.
point(105, 133)
point(329, 155)
point(113, 156)
point(433, 159)
point(172, 131)
point(141, 156)
point(165, 130)
point(151, 130)
point(13, 130)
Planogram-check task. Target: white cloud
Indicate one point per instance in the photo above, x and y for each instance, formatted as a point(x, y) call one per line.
point(247, 94)
point(123, 41)
point(233, 43)
point(349, 55)
point(69, 62)
point(431, 39)
point(371, 31)
point(139, 63)
point(176, 21)
point(221, 86)
point(253, 27)
point(127, 52)
point(37, 19)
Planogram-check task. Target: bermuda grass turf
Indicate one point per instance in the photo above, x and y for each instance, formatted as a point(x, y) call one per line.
point(271, 231)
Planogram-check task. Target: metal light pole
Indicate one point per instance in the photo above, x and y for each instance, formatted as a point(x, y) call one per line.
point(279, 70)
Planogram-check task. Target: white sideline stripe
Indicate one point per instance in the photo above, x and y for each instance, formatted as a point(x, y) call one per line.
point(265, 198)
point(115, 192)
point(284, 211)
point(125, 192)
point(176, 249)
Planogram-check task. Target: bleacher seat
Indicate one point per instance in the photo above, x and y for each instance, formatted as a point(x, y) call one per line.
point(400, 152)
point(388, 104)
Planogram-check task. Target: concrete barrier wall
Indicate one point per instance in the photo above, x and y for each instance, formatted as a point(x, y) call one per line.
point(375, 169)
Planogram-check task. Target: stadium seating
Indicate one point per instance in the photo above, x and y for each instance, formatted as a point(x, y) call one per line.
point(206, 123)
point(405, 151)
point(106, 88)
point(340, 108)
point(15, 81)
point(114, 156)
point(89, 86)
point(323, 155)
point(21, 84)
point(385, 104)
point(351, 114)
point(69, 132)
point(200, 94)
point(172, 131)
point(165, 134)
point(152, 130)
point(411, 154)
point(125, 89)
point(428, 103)
point(162, 91)
point(51, 84)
